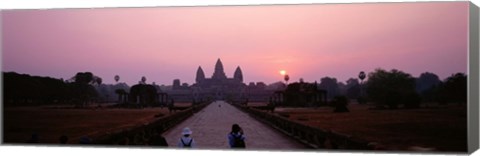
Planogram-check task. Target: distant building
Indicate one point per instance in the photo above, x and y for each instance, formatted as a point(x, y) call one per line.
point(258, 91)
point(176, 85)
point(219, 86)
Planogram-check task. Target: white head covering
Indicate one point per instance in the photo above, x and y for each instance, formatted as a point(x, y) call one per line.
point(186, 131)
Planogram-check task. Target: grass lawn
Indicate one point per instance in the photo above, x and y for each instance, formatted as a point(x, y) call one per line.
point(52, 122)
point(443, 127)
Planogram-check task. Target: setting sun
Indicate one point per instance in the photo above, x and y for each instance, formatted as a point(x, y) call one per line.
point(283, 72)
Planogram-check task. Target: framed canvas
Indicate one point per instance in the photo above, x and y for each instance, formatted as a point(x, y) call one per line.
point(311, 78)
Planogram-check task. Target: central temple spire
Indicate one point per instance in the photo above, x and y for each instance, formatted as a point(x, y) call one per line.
point(219, 73)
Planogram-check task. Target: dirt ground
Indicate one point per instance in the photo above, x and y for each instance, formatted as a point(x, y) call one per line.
point(49, 123)
point(442, 128)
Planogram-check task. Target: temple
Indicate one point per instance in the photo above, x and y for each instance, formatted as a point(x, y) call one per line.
point(219, 86)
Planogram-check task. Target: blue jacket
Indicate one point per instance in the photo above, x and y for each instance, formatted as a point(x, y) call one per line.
point(231, 138)
point(186, 140)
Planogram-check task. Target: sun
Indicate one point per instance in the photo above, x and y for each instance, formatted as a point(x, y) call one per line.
point(283, 72)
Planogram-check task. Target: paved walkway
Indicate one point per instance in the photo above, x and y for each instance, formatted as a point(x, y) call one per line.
point(211, 125)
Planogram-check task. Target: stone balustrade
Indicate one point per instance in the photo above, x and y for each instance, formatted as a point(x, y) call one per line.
point(137, 135)
point(311, 136)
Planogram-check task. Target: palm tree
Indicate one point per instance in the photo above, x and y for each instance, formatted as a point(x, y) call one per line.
point(118, 91)
point(144, 79)
point(83, 82)
point(286, 78)
point(97, 80)
point(117, 78)
point(362, 76)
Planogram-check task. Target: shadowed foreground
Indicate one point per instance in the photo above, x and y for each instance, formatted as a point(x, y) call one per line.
point(211, 125)
point(20, 123)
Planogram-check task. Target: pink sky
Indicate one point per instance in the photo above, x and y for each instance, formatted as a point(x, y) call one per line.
point(308, 41)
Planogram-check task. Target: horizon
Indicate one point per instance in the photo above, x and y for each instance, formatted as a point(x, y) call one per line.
point(280, 81)
point(307, 41)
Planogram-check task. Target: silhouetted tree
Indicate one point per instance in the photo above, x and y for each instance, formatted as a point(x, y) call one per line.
point(412, 100)
point(98, 81)
point(83, 89)
point(426, 81)
point(390, 88)
point(361, 75)
point(352, 82)
point(35, 90)
point(117, 78)
point(286, 78)
point(361, 98)
point(330, 85)
point(353, 88)
point(23, 89)
point(120, 89)
point(143, 94)
point(103, 91)
point(144, 80)
point(304, 94)
point(341, 88)
point(121, 93)
point(454, 89)
point(427, 86)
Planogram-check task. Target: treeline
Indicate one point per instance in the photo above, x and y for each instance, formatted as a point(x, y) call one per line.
point(23, 89)
point(109, 92)
point(80, 90)
point(396, 88)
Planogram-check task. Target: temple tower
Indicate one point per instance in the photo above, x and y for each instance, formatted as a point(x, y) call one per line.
point(200, 75)
point(238, 74)
point(219, 74)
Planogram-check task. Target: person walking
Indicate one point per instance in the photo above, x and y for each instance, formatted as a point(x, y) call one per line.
point(186, 141)
point(236, 138)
